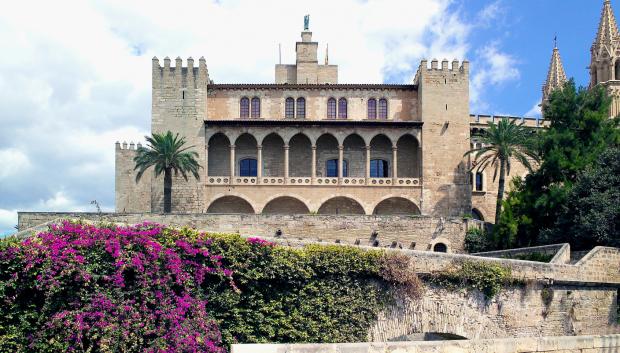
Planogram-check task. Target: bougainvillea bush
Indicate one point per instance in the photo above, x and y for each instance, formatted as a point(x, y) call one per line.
point(150, 288)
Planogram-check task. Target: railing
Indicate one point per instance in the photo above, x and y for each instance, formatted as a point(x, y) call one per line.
point(320, 181)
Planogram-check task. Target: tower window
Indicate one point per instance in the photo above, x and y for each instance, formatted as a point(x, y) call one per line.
point(244, 108)
point(247, 167)
point(342, 108)
point(255, 107)
point(331, 168)
point(379, 168)
point(477, 181)
point(383, 108)
point(372, 108)
point(331, 108)
point(289, 108)
point(301, 107)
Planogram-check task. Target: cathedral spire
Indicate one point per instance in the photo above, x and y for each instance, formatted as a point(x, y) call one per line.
point(556, 76)
point(607, 28)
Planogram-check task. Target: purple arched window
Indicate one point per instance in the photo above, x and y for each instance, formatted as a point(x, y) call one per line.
point(289, 108)
point(372, 108)
point(301, 107)
point(331, 108)
point(383, 108)
point(342, 108)
point(244, 108)
point(255, 107)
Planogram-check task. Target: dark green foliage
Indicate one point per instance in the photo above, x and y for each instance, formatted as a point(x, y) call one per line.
point(580, 132)
point(535, 256)
point(477, 240)
point(501, 144)
point(166, 154)
point(485, 277)
point(313, 294)
point(591, 215)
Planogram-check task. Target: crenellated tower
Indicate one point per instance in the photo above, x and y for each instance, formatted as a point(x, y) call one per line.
point(605, 52)
point(443, 105)
point(179, 105)
point(556, 77)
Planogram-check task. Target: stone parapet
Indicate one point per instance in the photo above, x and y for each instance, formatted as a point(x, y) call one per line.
point(566, 344)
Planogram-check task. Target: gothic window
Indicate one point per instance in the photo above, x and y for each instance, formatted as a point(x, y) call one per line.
point(255, 107)
point(301, 107)
point(383, 108)
point(247, 167)
point(379, 168)
point(342, 108)
point(331, 108)
point(331, 168)
point(372, 108)
point(244, 108)
point(289, 108)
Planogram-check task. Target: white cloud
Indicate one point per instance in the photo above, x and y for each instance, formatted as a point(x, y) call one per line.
point(13, 162)
point(8, 220)
point(493, 68)
point(535, 112)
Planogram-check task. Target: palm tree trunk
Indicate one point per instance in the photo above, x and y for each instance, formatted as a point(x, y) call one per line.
point(500, 189)
point(167, 190)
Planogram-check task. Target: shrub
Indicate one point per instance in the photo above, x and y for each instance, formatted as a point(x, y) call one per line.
point(80, 288)
point(148, 288)
point(477, 240)
point(485, 277)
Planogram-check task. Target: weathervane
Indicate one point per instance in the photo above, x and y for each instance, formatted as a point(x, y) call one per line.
point(306, 22)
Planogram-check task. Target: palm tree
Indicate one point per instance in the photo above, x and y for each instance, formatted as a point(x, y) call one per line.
point(501, 143)
point(166, 153)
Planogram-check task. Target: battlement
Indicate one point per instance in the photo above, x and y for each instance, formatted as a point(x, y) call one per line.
point(180, 76)
point(482, 119)
point(447, 67)
point(124, 146)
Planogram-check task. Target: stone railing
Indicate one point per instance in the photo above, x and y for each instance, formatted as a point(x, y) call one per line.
point(320, 181)
point(565, 344)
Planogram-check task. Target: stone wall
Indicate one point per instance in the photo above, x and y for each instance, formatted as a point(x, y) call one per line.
point(517, 311)
point(577, 344)
point(405, 231)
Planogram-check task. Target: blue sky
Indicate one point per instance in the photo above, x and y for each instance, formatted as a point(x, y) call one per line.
point(72, 87)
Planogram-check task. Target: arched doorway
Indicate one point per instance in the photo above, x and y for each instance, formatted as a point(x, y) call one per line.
point(300, 152)
point(219, 150)
point(408, 157)
point(273, 156)
point(477, 215)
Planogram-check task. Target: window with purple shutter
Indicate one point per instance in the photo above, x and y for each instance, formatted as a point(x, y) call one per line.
point(331, 108)
point(255, 107)
point(301, 108)
point(372, 108)
point(289, 108)
point(383, 108)
point(244, 108)
point(342, 108)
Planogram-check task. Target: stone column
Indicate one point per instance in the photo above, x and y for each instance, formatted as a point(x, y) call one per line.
point(232, 163)
point(367, 164)
point(340, 162)
point(286, 147)
point(394, 164)
point(313, 164)
point(206, 167)
point(259, 163)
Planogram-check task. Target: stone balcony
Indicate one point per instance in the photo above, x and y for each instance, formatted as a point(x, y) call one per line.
point(318, 181)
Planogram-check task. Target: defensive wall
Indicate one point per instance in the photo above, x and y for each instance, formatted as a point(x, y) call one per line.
point(579, 344)
point(410, 232)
